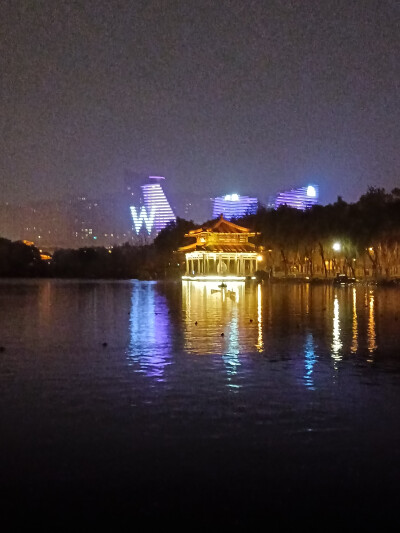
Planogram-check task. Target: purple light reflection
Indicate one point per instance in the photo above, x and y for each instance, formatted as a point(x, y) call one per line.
point(150, 344)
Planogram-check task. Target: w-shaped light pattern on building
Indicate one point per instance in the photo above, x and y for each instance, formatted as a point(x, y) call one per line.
point(156, 212)
point(154, 198)
point(143, 217)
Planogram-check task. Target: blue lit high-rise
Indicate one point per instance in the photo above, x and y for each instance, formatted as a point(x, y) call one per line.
point(301, 198)
point(234, 206)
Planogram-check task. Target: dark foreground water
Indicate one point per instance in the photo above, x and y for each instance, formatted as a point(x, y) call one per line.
point(292, 416)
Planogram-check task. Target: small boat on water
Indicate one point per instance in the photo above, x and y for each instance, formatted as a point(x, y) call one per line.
point(343, 279)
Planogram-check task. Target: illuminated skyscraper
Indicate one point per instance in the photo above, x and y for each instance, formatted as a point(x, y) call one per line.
point(234, 206)
point(301, 198)
point(155, 212)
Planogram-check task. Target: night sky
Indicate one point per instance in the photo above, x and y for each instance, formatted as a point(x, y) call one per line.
point(217, 96)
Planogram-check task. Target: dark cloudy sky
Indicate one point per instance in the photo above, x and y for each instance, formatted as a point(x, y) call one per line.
point(217, 96)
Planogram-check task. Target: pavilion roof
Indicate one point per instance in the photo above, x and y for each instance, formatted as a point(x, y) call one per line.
point(219, 248)
point(220, 226)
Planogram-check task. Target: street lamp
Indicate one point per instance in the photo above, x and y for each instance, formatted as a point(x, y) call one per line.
point(336, 247)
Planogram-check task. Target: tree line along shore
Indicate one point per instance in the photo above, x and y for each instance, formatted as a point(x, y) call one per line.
point(360, 239)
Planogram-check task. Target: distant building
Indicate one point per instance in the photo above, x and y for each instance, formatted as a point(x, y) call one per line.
point(152, 211)
point(234, 206)
point(302, 198)
point(195, 207)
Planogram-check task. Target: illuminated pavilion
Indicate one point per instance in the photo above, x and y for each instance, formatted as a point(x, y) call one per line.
point(220, 251)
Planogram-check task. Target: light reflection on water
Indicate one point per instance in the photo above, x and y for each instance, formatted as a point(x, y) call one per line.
point(371, 326)
point(336, 343)
point(220, 319)
point(150, 345)
point(99, 381)
point(231, 357)
point(310, 360)
point(261, 318)
point(260, 343)
point(152, 322)
point(354, 343)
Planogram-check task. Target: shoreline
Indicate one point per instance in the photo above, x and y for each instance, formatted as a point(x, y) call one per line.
point(291, 280)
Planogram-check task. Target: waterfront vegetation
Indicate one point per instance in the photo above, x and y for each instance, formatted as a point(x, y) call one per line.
point(361, 239)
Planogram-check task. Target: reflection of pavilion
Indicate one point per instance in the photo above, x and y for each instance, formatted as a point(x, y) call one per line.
point(221, 251)
point(234, 311)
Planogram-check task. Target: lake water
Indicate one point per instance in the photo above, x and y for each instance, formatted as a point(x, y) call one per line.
point(184, 403)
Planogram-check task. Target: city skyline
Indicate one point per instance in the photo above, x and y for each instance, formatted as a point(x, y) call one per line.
point(136, 213)
point(235, 97)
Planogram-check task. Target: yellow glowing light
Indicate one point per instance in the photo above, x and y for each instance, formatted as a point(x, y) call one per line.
point(336, 246)
point(214, 278)
point(259, 257)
